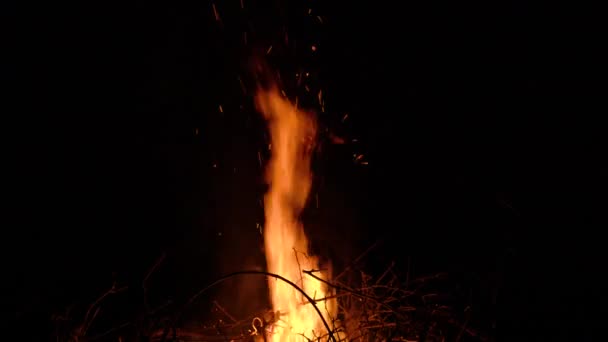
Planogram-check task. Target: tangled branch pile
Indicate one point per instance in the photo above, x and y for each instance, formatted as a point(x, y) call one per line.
point(370, 308)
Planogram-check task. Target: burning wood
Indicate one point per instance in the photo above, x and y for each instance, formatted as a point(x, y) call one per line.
point(307, 303)
point(368, 308)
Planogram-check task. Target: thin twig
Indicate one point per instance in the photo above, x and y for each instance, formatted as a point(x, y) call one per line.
point(86, 322)
point(464, 325)
point(144, 284)
point(388, 270)
point(217, 305)
point(160, 259)
point(356, 261)
point(299, 269)
point(342, 288)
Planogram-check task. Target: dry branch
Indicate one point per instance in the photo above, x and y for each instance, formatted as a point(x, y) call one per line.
point(370, 308)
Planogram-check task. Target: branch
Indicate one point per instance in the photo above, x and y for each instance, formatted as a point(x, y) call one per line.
point(144, 284)
point(354, 262)
point(355, 293)
point(268, 274)
point(86, 322)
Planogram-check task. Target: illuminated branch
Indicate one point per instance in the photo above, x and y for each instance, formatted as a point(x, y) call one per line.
point(268, 274)
point(353, 292)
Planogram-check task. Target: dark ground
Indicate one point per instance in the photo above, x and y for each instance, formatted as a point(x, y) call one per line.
point(479, 123)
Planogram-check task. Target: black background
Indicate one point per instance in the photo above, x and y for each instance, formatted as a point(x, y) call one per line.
point(480, 123)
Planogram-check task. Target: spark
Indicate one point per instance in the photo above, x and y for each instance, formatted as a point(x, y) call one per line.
point(269, 49)
point(336, 140)
point(309, 11)
point(359, 159)
point(313, 48)
point(196, 131)
point(242, 5)
point(344, 117)
point(221, 109)
point(320, 19)
point(242, 85)
point(260, 158)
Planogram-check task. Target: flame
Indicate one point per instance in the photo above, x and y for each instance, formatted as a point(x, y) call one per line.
point(288, 173)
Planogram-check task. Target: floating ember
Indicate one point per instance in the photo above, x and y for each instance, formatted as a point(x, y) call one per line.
point(288, 173)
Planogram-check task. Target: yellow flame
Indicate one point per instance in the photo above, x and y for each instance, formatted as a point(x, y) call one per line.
point(288, 173)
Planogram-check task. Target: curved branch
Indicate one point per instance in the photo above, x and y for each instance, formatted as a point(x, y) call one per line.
point(268, 274)
point(353, 292)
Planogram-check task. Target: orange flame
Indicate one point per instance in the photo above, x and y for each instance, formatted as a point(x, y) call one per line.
point(288, 172)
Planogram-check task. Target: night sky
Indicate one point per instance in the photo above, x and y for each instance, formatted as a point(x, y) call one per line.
point(479, 124)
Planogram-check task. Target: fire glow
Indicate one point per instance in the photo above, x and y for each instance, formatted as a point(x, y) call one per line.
point(288, 173)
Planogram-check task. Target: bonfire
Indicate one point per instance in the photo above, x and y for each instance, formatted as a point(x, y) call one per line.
point(308, 303)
